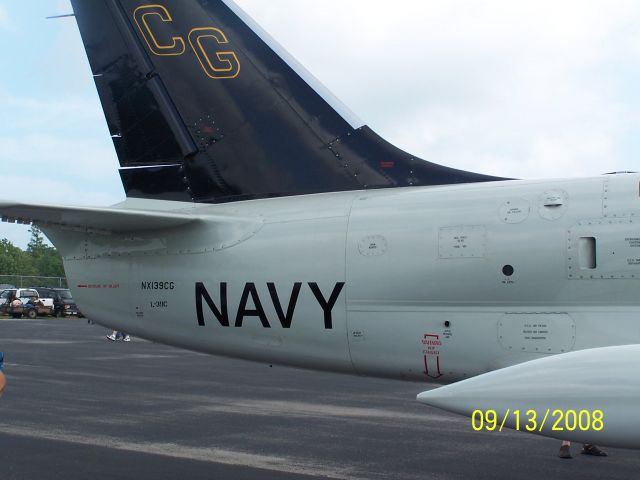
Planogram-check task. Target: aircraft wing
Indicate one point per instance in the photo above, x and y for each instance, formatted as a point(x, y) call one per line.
point(110, 219)
point(586, 396)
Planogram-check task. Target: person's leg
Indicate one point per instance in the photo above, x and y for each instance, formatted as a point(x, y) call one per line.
point(565, 450)
point(591, 449)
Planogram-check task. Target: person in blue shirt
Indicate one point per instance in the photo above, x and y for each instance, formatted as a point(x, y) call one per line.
point(3, 380)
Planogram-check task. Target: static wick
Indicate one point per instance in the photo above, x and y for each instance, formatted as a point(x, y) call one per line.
point(61, 16)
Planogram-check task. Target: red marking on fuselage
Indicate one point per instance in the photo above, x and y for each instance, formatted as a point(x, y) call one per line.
point(432, 343)
point(100, 286)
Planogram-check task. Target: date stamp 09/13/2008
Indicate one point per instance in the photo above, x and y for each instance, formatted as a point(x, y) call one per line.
point(530, 421)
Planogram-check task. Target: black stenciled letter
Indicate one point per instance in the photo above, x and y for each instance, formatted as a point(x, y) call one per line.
point(250, 289)
point(222, 315)
point(327, 306)
point(285, 320)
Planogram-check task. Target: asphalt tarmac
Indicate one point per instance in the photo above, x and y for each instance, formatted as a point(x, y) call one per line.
point(78, 406)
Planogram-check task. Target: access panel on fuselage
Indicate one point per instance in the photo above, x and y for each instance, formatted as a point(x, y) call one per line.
point(405, 258)
point(432, 272)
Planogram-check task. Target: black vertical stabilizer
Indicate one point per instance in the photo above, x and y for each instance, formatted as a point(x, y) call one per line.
point(204, 106)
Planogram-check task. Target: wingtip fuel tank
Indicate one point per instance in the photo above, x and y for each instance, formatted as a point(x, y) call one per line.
point(590, 396)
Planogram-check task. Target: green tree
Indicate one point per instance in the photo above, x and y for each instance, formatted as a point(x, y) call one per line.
point(37, 246)
point(44, 258)
point(49, 263)
point(39, 259)
point(13, 261)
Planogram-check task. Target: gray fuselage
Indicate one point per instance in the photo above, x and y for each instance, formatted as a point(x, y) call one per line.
point(434, 284)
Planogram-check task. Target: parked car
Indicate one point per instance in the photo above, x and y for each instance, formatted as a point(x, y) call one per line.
point(61, 300)
point(24, 301)
point(20, 292)
point(4, 298)
point(23, 294)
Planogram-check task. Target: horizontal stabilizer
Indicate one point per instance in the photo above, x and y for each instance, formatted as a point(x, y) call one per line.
point(117, 220)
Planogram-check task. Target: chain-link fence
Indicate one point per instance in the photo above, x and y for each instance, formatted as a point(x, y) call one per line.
point(26, 281)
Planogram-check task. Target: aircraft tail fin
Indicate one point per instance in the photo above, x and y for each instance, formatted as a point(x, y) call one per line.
point(204, 106)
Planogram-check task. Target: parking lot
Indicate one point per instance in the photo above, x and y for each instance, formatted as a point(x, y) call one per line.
point(80, 406)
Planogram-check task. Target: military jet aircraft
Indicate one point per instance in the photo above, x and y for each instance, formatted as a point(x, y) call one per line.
point(265, 221)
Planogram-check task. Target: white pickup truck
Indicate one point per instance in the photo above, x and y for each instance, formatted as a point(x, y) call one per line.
point(43, 306)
